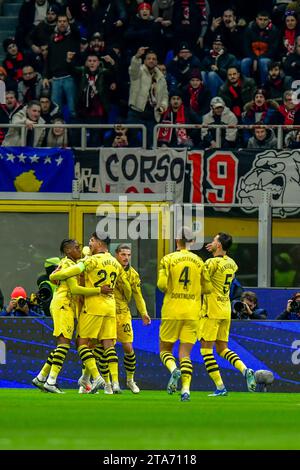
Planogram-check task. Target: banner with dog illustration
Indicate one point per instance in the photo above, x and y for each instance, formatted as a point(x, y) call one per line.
point(243, 177)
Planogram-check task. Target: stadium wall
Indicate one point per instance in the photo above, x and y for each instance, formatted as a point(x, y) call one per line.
point(273, 345)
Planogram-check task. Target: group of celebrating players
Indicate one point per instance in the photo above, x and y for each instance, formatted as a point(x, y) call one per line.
point(95, 288)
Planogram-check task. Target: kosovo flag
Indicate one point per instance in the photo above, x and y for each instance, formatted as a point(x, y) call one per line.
point(36, 170)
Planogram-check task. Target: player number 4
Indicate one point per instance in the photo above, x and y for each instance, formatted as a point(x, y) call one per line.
point(184, 277)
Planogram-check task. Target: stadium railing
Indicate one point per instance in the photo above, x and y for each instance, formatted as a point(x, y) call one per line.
point(85, 127)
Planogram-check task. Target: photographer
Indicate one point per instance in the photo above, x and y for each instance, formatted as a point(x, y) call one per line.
point(20, 306)
point(46, 288)
point(247, 308)
point(292, 311)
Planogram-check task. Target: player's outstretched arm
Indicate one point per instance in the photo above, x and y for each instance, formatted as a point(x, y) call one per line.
point(75, 289)
point(62, 274)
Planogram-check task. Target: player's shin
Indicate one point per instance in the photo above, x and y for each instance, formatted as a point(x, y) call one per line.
point(212, 367)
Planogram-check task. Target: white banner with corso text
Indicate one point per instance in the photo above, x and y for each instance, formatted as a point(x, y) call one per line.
point(142, 171)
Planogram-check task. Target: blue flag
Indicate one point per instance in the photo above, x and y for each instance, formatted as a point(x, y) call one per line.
point(30, 169)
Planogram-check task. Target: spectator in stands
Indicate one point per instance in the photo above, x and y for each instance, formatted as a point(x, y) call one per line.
point(196, 96)
point(42, 32)
point(262, 139)
point(57, 136)
point(247, 308)
point(96, 45)
point(216, 64)
point(190, 21)
point(14, 60)
point(109, 18)
point(277, 82)
point(9, 83)
point(40, 60)
point(183, 64)
point(292, 140)
point(62, 51)
point(231, 33)
point(148, 95)
point(292, 63)
point(30, 85)
point(122, 136)
point(7, 111)
point(20, 306)
point(95, 80)
point(294, 6)
point(287, 111)
point(261, 45)
point(29, 115)
point(143, 30)
point(82, 13)
point(237, 91)
point(83, 46)
point(171, 81)
point(219, 114)
point(292, 311)
point(177, 113)
point(258, 111)
point(48, 108)
point(162, 11)
point(31, 13)
point(289, 33)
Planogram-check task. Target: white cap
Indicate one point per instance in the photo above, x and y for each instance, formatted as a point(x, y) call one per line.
point(217, 102)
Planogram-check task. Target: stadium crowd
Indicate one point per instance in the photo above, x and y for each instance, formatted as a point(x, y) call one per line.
point(161, 61)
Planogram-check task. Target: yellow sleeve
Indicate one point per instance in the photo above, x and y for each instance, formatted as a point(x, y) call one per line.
point(125, 284)
point(206, 285)
point(211, 265)
point(62, 274)
point(76, 289)
point(138, 296)
point(163, 274)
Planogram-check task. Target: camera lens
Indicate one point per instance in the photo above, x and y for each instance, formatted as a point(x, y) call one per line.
point(239, 306)
point(295, 306)
point(21, 303)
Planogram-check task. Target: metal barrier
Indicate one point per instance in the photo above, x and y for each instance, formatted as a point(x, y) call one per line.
point(219, 128)
point(83, 134)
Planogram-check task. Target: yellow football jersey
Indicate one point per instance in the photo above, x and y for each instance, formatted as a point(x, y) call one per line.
point(69, 289)
point(62, 292)
point(135, 284)
point(222, 270)
point(180, 277)
point(103, 269)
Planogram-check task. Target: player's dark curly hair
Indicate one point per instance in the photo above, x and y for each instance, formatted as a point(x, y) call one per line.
point(102, 236)
point(65, 243)
point(225, 239)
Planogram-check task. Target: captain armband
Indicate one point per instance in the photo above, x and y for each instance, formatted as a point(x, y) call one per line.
point(81, 266)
